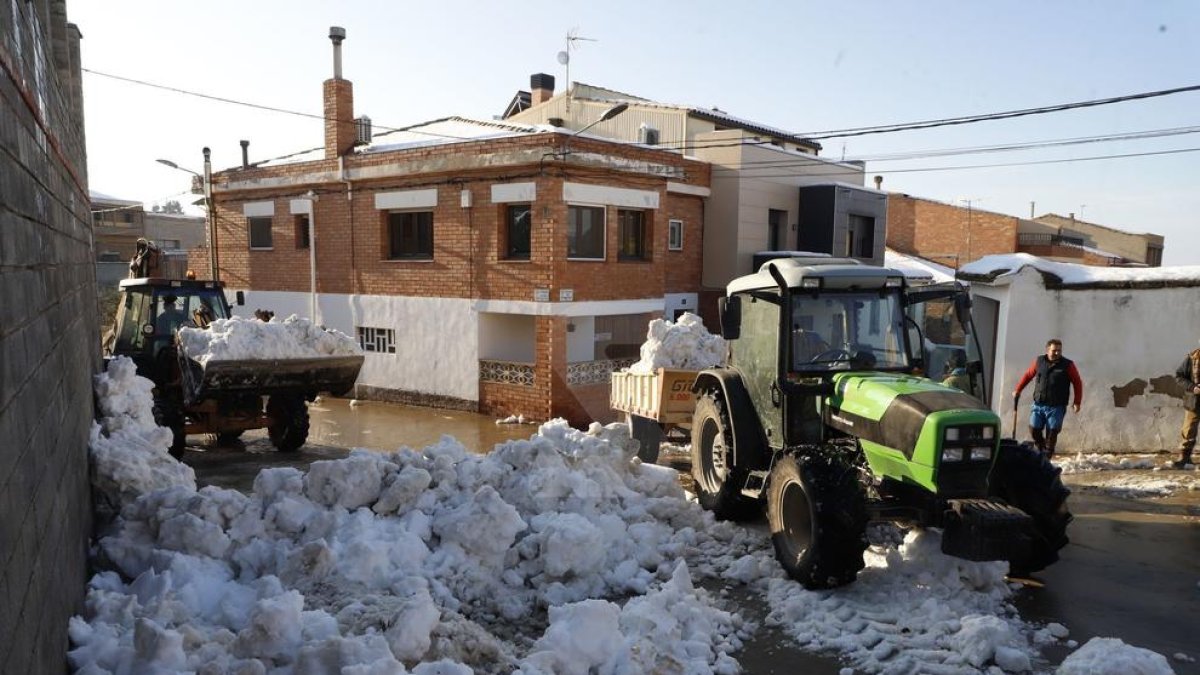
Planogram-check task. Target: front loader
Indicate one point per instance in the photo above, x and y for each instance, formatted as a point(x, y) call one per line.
point(819, 414)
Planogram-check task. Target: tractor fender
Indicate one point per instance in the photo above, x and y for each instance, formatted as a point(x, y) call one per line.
point(749, 441)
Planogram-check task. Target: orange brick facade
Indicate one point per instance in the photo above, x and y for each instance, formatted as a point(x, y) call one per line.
point(469, 242)
point(947, 234)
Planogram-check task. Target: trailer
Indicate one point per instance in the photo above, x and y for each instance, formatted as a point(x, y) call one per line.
point(655, 405)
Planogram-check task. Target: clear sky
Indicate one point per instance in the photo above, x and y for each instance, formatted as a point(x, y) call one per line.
point(802, 66)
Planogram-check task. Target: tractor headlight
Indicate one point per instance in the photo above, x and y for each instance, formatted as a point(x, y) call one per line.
point(981, 453)
point(952, 454)
point(989, 433)
point(952, 433)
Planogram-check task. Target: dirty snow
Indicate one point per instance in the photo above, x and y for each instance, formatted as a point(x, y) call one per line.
point(1127, 477)
point(558, 554)
point(241, 338)
point(1110, 656)
point(684, 344)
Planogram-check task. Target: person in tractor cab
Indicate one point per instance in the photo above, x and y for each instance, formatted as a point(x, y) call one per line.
point(1055, 376)
point(170, 318)
point(956, 372)
point(1188, 377)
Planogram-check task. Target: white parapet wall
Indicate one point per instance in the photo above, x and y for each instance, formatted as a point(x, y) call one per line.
point(436, 340)
point(1126, 342)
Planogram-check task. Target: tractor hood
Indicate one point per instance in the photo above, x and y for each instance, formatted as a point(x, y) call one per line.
point(902, 416)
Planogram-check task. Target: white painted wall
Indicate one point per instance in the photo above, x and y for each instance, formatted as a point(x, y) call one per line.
point(1114, 336)
point(581, 342)
point(437, 339)
point(507, 337)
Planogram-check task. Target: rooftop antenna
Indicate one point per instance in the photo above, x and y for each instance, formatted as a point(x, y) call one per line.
point(564, 57)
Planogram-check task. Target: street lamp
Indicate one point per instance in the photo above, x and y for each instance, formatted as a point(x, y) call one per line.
point(606, 116)
point(209, 220)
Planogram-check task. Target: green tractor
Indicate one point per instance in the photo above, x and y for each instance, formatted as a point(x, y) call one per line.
point(821, 412)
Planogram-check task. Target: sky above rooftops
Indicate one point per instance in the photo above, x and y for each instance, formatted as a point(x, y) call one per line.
point(803, 67)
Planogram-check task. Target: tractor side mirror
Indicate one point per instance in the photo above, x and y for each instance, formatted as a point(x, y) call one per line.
point(731, 317)
point(240, 298)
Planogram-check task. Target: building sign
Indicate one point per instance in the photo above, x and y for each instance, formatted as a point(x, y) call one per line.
point(541, 295)
point(566, 294)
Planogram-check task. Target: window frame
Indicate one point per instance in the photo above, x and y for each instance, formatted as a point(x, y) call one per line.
point(675, 227)
point(300, 224)
point(507, 253)
point(603, 231)
point(386, 249)
point(643, 254)
point(250, 222)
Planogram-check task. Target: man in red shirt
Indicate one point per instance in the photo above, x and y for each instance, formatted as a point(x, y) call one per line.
point(1055, 376)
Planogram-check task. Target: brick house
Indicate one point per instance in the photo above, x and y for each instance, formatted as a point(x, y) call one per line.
point(506, 268)
point(954, 235)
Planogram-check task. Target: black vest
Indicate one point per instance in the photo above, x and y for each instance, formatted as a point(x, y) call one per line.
point(1053, 385)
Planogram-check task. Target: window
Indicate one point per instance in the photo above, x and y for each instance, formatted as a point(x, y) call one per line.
point(620, 336)
point(1154, 255)
point(300, 223)
point(378, 340)
point(631, 229)
point(585, 232)
point(260, 232)
point(776, 219)
point(675, 235)
point(516, 231)
point(168, 244)
point(860, 237)
point(409, 235)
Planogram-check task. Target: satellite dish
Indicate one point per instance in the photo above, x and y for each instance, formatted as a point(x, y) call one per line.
point(564, 58)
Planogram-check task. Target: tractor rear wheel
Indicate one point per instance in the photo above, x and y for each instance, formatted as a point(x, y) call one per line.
point(648, 435)
point(167, 414)
point(288, 428)
point(718, 482)
point(1026, 479)
point(816, 508)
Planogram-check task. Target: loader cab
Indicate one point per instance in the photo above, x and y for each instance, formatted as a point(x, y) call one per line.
point(151, 311)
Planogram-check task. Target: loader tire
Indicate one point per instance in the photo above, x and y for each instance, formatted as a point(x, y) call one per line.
point(817, 511)
point(1026, 479)
point(167, 414)
point(288, 428)
point(648, 434)
point(718, 482)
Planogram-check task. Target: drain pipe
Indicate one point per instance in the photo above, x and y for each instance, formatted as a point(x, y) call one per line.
point(312, 256)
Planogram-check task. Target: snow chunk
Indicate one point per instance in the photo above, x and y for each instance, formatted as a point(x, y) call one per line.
point(684, 344)
point(240, 338)
point(1110, 656)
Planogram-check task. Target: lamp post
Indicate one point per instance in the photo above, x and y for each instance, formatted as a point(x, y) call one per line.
point(209, 220)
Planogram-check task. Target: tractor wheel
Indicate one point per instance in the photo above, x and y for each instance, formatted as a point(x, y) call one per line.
point(648, 435)
point(1024, 478)
point(817, 511)
point(167, 414)
point(288, 428)
point(718, 483)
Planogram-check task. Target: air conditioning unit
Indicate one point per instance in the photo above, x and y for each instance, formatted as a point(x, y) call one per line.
point(362, 130)
point(647, 135)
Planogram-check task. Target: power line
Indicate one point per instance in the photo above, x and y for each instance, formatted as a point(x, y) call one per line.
point(987, 117)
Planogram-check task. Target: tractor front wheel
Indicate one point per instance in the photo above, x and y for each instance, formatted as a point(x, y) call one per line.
point(718, 482)
point(1024, 478)
point(288, 428)
point(817, 512)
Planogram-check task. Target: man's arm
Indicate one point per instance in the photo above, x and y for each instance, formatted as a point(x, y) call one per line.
point(1025, 379)
point(1183, 374)
point(1076, 384)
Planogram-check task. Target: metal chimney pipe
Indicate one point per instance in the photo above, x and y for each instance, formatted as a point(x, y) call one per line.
point(878, 182)
point(337, 34)
point(245, 154)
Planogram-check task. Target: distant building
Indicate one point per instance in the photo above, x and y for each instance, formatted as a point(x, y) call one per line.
point(119, 223)
point(956, 235)
point(494, 266)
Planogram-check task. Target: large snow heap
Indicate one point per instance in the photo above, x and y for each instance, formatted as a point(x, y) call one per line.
point(239, 338)
point(683, 344)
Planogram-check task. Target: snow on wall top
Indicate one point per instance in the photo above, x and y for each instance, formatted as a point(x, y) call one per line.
point(918, 268)
point(241, 338)
point(683, 344)
point(996, 266)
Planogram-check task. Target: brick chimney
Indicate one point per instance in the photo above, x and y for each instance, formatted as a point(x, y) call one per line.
point(541, 88)
point(339, 103)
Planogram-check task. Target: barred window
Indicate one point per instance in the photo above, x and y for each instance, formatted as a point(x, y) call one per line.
point(378, 340)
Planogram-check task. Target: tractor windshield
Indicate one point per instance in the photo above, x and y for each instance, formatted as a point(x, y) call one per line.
point(847, 330)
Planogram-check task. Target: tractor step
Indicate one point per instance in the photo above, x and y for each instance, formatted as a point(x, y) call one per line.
point(756, 483)
point(982, 529)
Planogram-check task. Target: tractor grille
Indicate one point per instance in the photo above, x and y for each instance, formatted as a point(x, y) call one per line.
point(963, 480)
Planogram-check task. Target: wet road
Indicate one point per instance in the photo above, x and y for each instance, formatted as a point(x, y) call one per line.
point(1132, 569)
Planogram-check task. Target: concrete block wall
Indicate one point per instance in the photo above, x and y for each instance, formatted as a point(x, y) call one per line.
point(49, 343)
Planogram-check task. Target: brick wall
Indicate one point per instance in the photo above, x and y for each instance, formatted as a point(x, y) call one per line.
point(946, 233)
point(49, 345)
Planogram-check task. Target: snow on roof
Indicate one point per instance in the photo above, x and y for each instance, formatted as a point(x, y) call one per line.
point(95, 196)
point(917, 268)
point(996, 267)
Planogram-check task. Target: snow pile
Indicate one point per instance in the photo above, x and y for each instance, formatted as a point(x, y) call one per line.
point(683, 344)
point(128, 451)
point(505, 562)
point(1082, 463)
point(1074, 273)
point(240, 338)
point(1110, 656)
